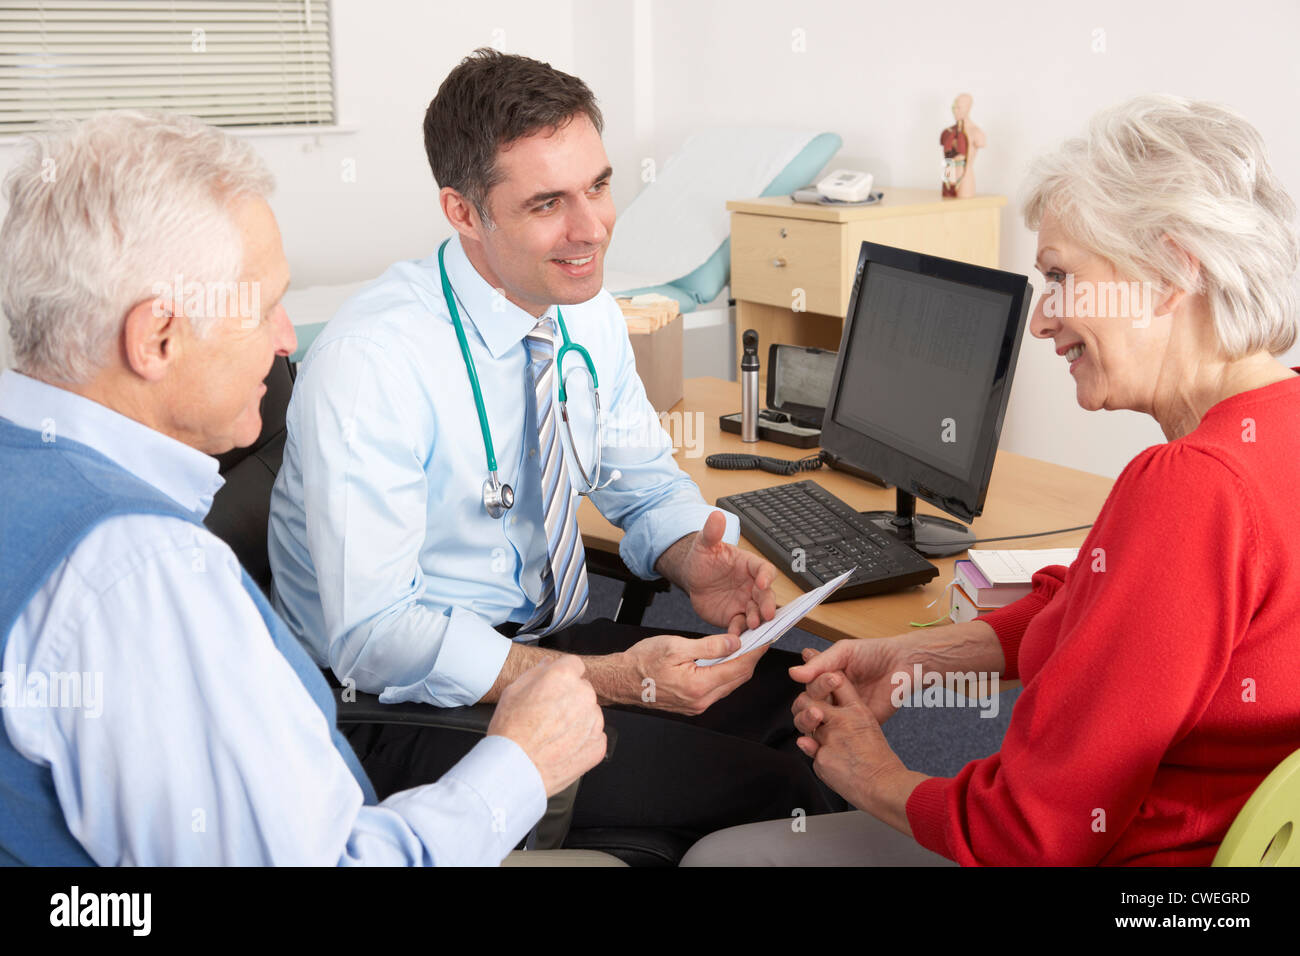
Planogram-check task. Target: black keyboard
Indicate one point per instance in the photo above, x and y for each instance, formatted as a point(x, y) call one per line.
point(813, 537)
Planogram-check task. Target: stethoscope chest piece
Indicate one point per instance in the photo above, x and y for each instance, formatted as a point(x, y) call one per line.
point(497, 497)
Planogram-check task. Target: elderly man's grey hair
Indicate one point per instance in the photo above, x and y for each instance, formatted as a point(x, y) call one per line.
point(1196, 172)
point(102, 213)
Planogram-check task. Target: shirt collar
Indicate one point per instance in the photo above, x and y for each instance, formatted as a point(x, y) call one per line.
point(184, 474)
point(499, 322)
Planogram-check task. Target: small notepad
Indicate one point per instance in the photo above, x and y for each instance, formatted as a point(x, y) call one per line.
point(1018, 567)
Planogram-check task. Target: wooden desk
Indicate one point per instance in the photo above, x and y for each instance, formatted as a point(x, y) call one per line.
point(793, 264)
point(1025, 495)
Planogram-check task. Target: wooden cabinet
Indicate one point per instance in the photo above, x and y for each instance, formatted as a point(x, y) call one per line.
point(792, 264)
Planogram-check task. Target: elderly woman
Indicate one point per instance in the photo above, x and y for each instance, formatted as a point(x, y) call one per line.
point(1159, 669)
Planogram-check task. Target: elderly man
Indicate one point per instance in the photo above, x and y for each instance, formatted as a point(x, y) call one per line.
point(424, 531)
point(188, 726)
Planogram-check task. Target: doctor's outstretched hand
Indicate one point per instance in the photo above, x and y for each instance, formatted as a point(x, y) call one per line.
point(729, 587)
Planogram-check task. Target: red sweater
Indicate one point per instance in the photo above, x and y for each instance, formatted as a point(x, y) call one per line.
point(1161, 670)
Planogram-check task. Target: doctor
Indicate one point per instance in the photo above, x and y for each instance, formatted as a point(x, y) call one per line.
point(423, 531)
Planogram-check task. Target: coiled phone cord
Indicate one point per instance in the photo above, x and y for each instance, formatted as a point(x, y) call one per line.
point(777, 466)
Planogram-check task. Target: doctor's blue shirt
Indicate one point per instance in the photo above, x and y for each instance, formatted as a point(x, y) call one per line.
point(386, 563)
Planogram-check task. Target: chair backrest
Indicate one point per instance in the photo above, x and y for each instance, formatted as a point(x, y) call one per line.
point(242, 507)
point(1267, 830)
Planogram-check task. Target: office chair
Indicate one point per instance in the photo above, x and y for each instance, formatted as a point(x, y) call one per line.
point(1267, 830)
point(239, 516)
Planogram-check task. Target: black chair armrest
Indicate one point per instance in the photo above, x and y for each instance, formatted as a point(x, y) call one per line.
point(551, 830)
point(366, 709)
point(474, 719)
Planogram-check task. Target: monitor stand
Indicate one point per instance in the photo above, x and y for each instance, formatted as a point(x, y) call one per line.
point(929, 535)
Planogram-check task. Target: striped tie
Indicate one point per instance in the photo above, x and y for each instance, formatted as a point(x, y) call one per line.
point(564, 581)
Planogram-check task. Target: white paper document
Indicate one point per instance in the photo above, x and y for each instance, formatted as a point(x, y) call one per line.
point(786, 618)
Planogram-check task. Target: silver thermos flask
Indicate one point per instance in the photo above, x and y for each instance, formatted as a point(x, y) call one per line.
point(749, 387)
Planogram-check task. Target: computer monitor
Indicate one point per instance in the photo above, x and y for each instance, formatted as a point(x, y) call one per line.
point(921, 386)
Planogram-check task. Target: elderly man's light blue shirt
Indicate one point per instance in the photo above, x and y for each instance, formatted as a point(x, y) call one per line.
point(195, 742)
point(386, 563)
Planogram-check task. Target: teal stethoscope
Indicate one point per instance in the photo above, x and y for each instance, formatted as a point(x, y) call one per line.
point(499, 498)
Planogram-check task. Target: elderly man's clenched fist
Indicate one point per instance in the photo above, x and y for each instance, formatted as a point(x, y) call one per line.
point(551, 713)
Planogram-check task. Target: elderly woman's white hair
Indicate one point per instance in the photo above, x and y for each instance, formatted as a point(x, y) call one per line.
point(1197, 172)
point(103, 212)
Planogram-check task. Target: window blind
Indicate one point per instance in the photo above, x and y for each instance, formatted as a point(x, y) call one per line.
point(228, 62)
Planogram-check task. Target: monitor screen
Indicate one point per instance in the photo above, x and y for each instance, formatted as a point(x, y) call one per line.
point(924, 374)
point(921, 356)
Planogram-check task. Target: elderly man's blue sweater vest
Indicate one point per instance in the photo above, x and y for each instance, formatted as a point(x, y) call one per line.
point(51, 495)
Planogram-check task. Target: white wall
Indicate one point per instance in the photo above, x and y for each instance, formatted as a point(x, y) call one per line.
point(881, 74)
point(391, 56)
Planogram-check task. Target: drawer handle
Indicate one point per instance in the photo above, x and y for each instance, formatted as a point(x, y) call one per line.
point(779, 262)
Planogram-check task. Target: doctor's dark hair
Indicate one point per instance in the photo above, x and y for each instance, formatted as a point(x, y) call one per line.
point(490, 100)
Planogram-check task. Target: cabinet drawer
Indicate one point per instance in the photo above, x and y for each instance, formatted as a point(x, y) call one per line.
point(773, 257)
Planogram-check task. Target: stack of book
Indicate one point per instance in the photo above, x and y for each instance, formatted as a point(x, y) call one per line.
point(994, 579)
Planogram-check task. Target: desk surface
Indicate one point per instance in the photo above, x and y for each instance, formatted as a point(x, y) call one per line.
point(1025, 495)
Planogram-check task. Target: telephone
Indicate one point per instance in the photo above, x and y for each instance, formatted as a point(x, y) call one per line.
point(846, 185)
point(843, 187)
